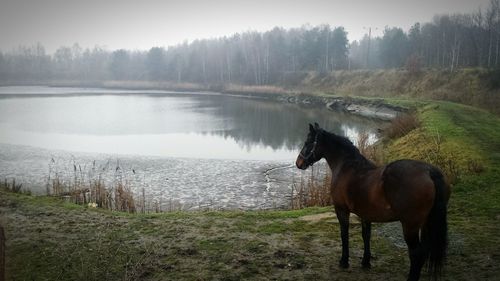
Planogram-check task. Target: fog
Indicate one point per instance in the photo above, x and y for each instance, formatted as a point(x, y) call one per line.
point(141, 25)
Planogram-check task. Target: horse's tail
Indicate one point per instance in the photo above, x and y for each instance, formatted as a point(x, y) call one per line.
point(435, 232)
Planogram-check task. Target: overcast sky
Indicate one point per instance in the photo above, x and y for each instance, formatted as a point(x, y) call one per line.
point(142, 24)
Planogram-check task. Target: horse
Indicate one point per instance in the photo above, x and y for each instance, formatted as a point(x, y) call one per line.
point(412, 192)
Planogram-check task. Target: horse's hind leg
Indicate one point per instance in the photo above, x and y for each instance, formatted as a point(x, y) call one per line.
point(415, 250)
point(366, 228)
point(343, 217)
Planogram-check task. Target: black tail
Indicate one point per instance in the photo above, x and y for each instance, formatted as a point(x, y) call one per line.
point(435, 232)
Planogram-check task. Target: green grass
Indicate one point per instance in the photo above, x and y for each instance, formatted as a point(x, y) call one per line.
point(51, 240)
point(48, 239)
point(468, 135)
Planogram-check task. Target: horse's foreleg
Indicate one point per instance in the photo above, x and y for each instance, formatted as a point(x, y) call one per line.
point(366, 230)
point(343, 217)
point(415, 251)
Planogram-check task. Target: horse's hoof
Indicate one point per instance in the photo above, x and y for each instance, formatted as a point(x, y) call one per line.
point(343, 264)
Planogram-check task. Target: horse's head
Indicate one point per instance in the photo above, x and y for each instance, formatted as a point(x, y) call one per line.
point(312, 150)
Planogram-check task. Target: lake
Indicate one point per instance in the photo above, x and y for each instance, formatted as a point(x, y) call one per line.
point(189, 149)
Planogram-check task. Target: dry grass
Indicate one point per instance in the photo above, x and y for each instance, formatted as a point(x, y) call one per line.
point(154, 85)
point(432, 147)
point(475, 167)
point(476, 87)
point(263, 89)
point(311, 191)
point(100, 186)
point(12, 186)
point(87, 187)
point(435, 156)
point(402, 125)
point(124, 198)
point(91, 186)
point(372, 151)
point(118, 197)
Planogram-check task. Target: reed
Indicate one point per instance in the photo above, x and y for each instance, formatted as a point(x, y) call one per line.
point(371, 151)
point(13, 186)
point(312, 191)
point(87, 187)
point(124, 198)
point(260, 89)
point(402, 125)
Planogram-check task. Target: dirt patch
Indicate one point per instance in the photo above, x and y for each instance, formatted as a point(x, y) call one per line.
point(329, 217)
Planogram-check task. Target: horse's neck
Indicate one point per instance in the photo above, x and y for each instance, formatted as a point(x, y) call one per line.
point(336, 167)
point(339, 165)
point(334, 162)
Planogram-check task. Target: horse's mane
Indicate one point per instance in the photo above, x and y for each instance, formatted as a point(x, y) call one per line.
point(353, 157)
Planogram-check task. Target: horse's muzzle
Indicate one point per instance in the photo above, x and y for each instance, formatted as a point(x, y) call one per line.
point(301, 163)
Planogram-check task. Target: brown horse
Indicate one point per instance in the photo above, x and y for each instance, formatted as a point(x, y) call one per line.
point(412, 192)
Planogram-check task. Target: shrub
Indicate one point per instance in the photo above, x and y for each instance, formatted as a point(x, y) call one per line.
point(402, 125)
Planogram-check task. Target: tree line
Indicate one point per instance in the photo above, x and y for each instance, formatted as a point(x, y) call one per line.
point(258, 58)
point(447, 42)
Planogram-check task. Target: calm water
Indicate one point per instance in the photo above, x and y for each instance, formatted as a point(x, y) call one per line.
point(230, 152)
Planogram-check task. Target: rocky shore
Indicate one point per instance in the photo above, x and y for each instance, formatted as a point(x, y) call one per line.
point(370, 108)
point(367, 108)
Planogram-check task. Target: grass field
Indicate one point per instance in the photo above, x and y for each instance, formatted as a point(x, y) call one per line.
point(51, 240)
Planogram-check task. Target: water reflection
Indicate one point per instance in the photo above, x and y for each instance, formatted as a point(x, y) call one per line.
point(83, 127)
point(166, 124)
point(280, 125)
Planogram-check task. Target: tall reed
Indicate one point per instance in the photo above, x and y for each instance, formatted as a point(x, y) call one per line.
point(88, 187)
point(312, 191)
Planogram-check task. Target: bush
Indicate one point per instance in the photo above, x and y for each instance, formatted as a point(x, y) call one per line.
point(402, 125)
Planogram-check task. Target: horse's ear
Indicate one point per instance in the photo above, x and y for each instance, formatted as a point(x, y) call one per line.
point(311, 128)
point(316, 126)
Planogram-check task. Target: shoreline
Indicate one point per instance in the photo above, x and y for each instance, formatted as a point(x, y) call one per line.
point(249, 184)
point(375, 108)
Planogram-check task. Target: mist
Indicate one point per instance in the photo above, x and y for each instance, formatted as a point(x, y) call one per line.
point(278, 56)
point(140, 25)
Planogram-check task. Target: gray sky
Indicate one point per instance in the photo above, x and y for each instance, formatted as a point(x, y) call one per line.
point(142, 24)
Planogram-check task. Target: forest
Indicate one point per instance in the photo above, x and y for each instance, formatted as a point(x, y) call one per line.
point(448, 42)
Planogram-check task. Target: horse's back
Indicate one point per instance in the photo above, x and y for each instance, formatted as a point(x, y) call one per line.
point(406, 167)
point(409, 188)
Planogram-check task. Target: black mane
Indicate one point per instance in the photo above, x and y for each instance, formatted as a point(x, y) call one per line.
point(353, 157)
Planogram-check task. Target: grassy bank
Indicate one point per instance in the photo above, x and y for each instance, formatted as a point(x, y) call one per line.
point(48, 239)
point(51, 240)
point(469, 140)
point(465, 142)
point(476, 86)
